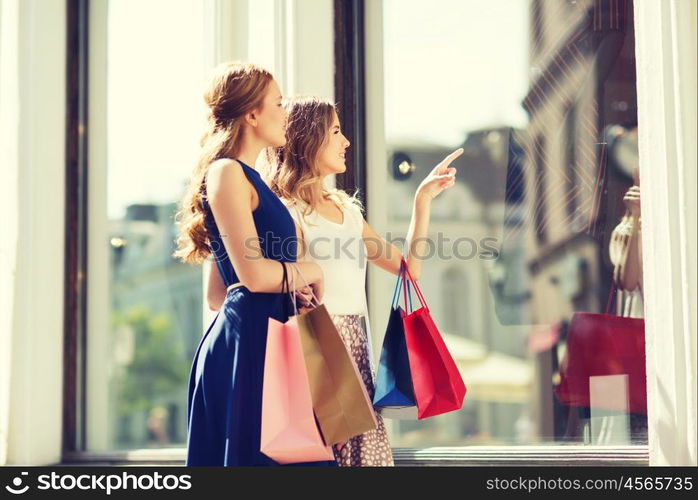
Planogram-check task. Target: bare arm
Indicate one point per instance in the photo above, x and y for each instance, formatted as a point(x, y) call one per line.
point(626, 272)
point(387, 256)
point(383, 254)
point(625, 241)
point(303, 293)
point(630, 278)
point(230, 198)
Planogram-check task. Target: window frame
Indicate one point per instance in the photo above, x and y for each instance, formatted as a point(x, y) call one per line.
point(350, 92)
point(76, 224)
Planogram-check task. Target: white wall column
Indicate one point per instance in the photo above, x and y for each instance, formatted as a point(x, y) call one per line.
point(312, 56)
point(376, 157)
point(227, 30)
point(32, 116)
point(9, 201)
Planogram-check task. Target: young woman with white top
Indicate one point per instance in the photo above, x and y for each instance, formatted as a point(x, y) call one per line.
point(334, 234)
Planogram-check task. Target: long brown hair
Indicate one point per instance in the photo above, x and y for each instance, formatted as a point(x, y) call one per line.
point(295, 169)
point(234, 90)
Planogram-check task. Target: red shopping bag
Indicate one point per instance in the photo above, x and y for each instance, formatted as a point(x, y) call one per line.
point(438, 385)
point(600, 345)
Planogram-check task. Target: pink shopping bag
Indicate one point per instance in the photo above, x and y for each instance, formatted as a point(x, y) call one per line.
point(290, 433)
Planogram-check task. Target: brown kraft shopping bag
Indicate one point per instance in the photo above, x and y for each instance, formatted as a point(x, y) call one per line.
point(340, 400)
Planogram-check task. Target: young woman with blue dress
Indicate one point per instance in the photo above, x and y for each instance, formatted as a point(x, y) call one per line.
point(231, 215)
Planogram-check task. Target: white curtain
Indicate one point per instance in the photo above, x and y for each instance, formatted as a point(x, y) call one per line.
point(9, 115)
point(665, 35)
point(32, 169)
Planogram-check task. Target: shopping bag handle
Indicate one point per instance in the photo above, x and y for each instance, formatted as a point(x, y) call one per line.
point(418, 290)
point(396, 294)
point(295, 267)
point(612, 293)
point(284, 286)
point(289, 290)
point(397, 288)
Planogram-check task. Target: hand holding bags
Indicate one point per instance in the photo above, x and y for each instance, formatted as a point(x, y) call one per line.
point(342, 406)
point(289, 431)
point(437, 383)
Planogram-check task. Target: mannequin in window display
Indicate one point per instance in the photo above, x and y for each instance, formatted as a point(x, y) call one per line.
point(625, 251)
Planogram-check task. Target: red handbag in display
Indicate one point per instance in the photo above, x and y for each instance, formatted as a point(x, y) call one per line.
point(602, 345)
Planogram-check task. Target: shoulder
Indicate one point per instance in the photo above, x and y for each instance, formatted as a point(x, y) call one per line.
point(224, 169)
point(345, 200)
point(351, 204)
point(222, 164)
point(224, 174)
point(352, 208)
point(356, 212)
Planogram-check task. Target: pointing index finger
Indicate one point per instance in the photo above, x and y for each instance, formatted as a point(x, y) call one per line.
point(449, 159)
point(454, 155)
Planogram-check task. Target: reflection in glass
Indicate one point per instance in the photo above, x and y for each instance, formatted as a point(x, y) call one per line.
point(541, 96)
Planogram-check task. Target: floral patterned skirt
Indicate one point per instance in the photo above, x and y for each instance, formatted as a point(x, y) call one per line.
point(372, 448)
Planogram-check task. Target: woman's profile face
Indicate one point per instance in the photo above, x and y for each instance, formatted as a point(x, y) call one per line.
point(271, 117)
point(331, 156)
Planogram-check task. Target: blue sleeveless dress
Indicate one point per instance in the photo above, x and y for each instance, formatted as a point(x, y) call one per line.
point(225, 382)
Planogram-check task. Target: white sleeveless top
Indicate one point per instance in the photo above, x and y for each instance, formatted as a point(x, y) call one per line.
point(341, 253)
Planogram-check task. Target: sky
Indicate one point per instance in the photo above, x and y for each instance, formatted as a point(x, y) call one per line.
point(447, 70)
point(155, 103)
point(458, 67)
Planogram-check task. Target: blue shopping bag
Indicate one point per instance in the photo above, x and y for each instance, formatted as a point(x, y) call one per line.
point(394, 393)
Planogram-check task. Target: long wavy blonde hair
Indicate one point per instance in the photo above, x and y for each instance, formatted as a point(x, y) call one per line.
point(235, 89)
point(295, 169)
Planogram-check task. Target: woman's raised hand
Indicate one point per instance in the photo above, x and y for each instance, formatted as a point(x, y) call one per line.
point(440, 178)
